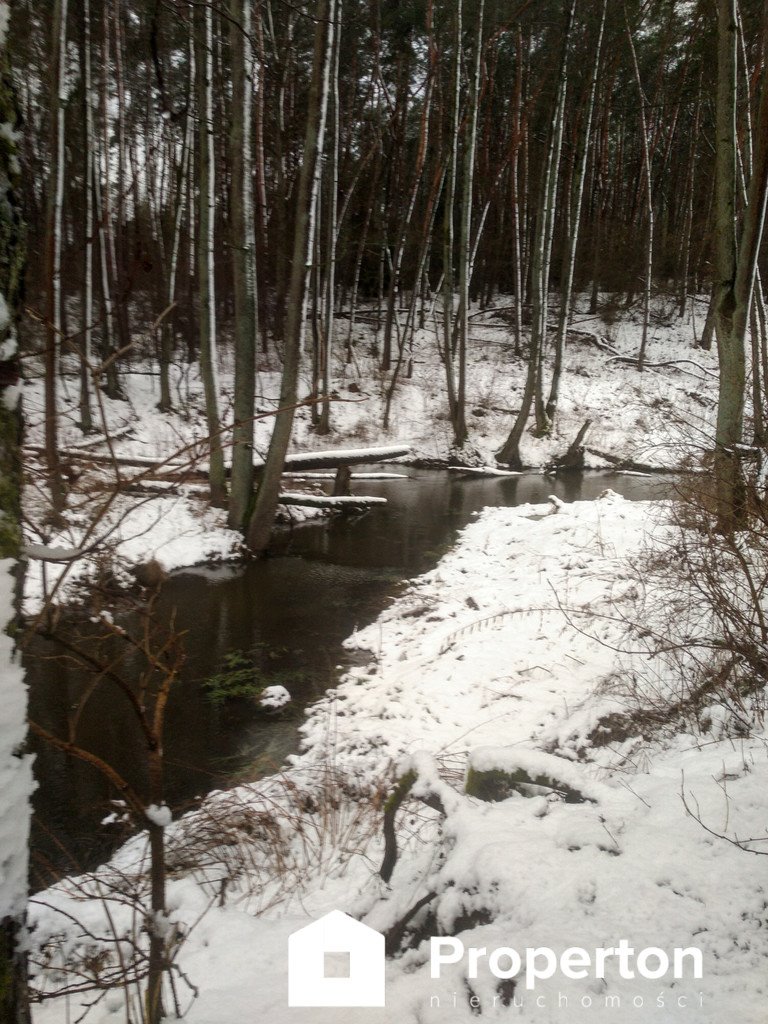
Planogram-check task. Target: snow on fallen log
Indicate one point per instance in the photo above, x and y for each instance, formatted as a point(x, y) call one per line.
point(346, 501)
point(483, 471)
point(342, 457)
point(133, 461)
point(42, 553)
point(355, 476)
point(298, 461)
point(493, 773)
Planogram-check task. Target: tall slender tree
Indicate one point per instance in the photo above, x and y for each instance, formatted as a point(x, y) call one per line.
point(205, 252)
point(16, 782)
point(244, 267)
point(736, 261)
point(260, 525)
point(54, 329)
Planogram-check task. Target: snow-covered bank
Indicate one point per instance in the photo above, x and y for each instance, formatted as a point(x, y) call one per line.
point(505, 656)
point(662, 417)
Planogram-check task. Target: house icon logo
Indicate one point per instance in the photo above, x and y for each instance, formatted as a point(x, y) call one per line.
point(336, 961)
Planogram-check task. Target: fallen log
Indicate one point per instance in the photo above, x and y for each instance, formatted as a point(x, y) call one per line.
point(347, 502)
point(134, 462)
point(354, 476)
point(483, 471)
point(626, 463)
point(298, 461)
point(342, 457)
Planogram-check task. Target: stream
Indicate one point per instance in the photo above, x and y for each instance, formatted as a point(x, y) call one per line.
point(289, 614)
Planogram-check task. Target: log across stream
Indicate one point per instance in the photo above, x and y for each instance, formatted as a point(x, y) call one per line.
point(290, 615)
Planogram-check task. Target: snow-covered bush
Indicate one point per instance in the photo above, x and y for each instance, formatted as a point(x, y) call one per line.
point(703, 615)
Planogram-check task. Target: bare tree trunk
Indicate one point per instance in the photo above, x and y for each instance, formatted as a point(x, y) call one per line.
point(261, 188)
point(541, 272)
point(465, 239)
point(205, 249)
point(375, 177)
point(281, 191)
point(244, 269)
point(53, 254)
point(736, 263)
point(16, 781)
point(329, 291)
point(688, 226)
point(648, 188)
point(119, 237)
point(510, 452)
point(571, 246)
point(86, 354)
point(103, 201)
point(448, 225)
point(185, 173)
point(517, 227)
point(263, 516)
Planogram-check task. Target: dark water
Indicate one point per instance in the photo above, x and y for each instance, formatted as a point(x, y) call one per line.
point(289, 614)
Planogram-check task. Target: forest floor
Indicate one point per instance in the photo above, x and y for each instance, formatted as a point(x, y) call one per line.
point(660, 418)
point(526, 648)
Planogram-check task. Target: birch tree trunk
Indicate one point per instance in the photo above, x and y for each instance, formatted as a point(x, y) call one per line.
point(205, 253)
point(86, 354)
point(517, 227)
point(329, 291)
point(465, 239)
point(569, 258)
point(540, 290)
point(185, 171)
point(53, 254)
point(244, 266)
point(542, 249)
point(448, 225)
point(648, 190)
point(16, 781)
point(103, 205)
point(260, 526)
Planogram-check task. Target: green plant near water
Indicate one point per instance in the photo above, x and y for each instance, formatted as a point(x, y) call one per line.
point(239, 678)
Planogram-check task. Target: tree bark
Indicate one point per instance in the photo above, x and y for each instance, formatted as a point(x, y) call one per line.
point(86, 352)
point(205, 250)
point(465, 239)
point(648, 189)
point(569, 259)
point(53, 255)
point(15, 768)
point(260, 526)
point(244, 267)
point(510, 451)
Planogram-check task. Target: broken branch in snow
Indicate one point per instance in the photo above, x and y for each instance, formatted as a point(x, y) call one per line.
point(666, 363)
point(740, 844)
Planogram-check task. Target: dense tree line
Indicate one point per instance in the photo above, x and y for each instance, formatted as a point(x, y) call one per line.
point(201, 173)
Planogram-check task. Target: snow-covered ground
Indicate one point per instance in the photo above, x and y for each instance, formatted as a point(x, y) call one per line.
point(512, 654)
point(662, 417)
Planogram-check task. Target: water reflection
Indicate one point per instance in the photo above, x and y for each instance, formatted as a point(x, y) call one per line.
point(290, 614)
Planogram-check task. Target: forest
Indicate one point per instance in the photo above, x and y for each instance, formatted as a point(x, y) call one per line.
point(383, 514)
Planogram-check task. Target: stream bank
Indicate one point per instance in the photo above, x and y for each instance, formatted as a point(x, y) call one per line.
point(290, 614)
